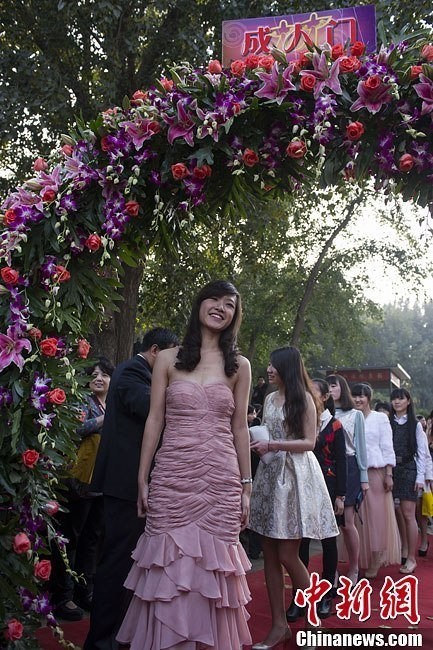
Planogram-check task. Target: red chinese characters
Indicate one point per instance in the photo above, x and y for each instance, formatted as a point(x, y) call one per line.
point(400, 598)
point(311, 596)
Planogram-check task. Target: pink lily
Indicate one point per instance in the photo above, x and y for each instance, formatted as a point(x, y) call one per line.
point(11, 348)
point(181, 126)
point(276, 85)
point(424, 90)
point(326, 76)
point(373, 93)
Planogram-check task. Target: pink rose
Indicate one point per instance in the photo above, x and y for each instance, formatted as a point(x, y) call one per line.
point(93, 242)
point(202, 172)
point(406, 163)
point(51, 508)
point(214, 67)
point(48, 196)
point(35, 333)
point(83, 348)
point(62, 274)
point(132, 208)
point(337, 51)
point(415, 71)
point(49, 347)
point(67, 149)
point(167, 84)
point(40, 165)
point(252, 62)
point(42, 570)
point(21, 543)
point(427, 52)
point(357, 49)
point(30, 457)
point(349, 64)
point(266, 62)
point(139, 96)
point(296, 149)
point(238, 68)
point(308, 81)
point(179, 171)
point(9, 217)
point(14, 630)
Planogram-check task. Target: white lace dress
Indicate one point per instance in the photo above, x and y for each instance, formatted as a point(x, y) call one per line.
point(289, 498)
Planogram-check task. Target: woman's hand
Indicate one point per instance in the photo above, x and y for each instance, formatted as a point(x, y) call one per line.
point(143, 493)
point(339, 506)
point(245, 505)
point(260, 447)
point(419, 486)
point(364, 487)
point(388, 483)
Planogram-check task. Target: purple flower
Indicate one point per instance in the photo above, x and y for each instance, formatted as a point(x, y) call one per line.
point(141, 130)
point(276, 85)
point(325, 76)
point(5, 396)
point(45, 419)
point(181, 126)
point(11, 349)
point(424, 90)
point(373, 93)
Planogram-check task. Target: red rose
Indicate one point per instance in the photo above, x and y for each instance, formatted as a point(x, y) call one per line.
point(9, 275)
point(266, 62)
point(51, 508)
point(236, 108)
point(9, 217)
point(30, 457)
point(214, 67)
point(308, 81)
point(62, 274)
point(132, 208)
point(202, 172)
point(296, 149)
point(42, 570)
point(139, 95)
point(349, 64)
point(354, 130)
point(179, 171)
point(93, 242)
point(357, 48)
point(56, 396)
point(35, 333)
point(337, 51)
point(67, 149)
point(250, 158)
point(40, 165)
point(14, 630)
point(21, 543)
point(48, 196)
point(83, 348)
point(427, 52)
point(415, 71)
point(238, 68)
point(153, 126)
point(49, 347)
point(373, 82)
point(251, 62)
point(105, 143)
point(167, 84)
point(406, 163)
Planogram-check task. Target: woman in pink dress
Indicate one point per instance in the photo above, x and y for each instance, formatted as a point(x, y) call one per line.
point(188, 578)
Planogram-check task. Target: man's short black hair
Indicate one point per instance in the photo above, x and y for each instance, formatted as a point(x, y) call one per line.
point(160, 336)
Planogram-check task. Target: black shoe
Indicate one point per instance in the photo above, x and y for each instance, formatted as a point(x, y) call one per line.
point(84, 601)
point(324, 608)
point(403, 560)
point(294, 612)
point(68, 613)
point(423, 553)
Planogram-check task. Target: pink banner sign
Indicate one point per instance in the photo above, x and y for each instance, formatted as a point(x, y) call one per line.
point(292, 34)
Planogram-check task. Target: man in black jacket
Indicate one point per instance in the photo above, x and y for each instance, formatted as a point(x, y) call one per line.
point(115, 475)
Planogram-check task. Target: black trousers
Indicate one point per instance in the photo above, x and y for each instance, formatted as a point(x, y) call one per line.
point(122, 528)
point(330, 556)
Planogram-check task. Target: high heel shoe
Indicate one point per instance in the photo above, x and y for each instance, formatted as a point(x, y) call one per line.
point(423, 552)
point(408, 568)
point(264, 646)
point(294, 612)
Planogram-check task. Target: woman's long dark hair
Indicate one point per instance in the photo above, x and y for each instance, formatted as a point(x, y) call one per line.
point(189, 353)
point(346, 399)
point(324, 390)
point(411, 417)
point(288, 363)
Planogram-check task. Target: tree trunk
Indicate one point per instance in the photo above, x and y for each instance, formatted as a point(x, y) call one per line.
point(116, 340)
point(314, 273)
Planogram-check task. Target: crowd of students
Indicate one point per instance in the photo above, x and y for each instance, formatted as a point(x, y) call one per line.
point(328, 461)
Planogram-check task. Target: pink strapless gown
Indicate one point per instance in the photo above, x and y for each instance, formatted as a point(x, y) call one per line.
point(188, 577)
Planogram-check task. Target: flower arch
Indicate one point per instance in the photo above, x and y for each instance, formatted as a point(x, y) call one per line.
point(189, 146)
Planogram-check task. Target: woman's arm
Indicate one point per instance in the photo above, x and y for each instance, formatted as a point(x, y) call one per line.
point(361, 448)
point(241, 438)
point(309, 431)
point(422, 458)
point(154, 425)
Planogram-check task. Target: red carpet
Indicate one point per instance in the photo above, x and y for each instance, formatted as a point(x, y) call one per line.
point(260, 616)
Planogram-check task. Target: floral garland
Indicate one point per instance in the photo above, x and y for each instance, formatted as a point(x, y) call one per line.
point(177, 152)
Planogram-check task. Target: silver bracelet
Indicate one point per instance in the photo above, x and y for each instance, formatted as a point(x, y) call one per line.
point(244, 481)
